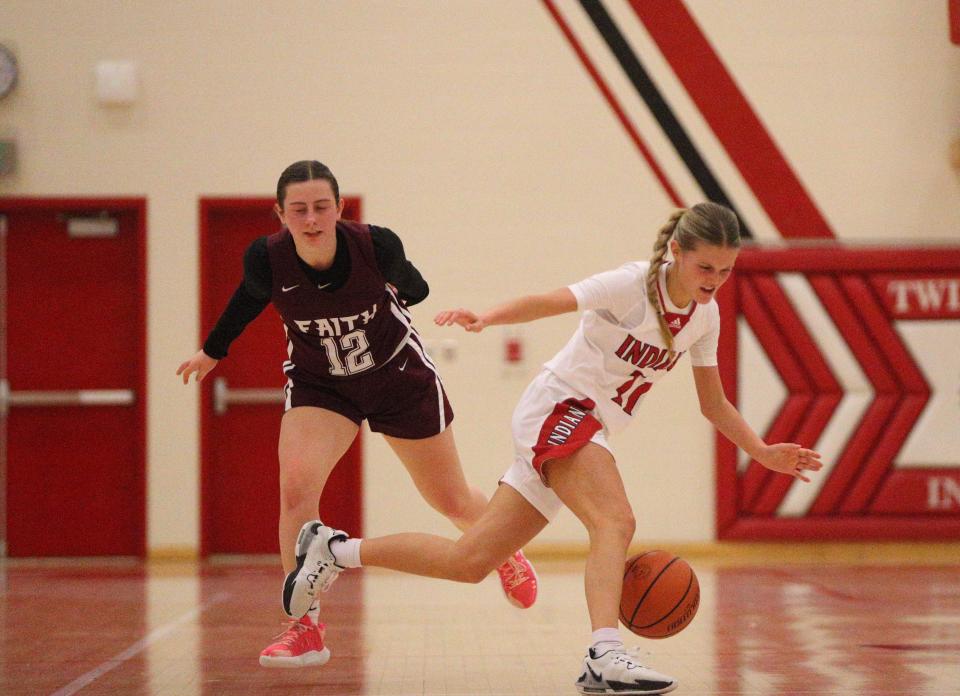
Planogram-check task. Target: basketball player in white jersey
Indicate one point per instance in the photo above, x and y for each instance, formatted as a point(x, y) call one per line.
point(637, 322)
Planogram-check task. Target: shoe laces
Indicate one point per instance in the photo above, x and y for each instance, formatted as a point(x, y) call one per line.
point(331, 570)
point(629, 656)
point(513, 573)
point(293, 632)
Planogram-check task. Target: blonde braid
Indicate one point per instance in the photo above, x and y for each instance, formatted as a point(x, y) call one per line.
point(658, 259)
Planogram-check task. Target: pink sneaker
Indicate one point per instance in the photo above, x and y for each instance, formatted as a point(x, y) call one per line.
point(519, 581)
point(301, 645)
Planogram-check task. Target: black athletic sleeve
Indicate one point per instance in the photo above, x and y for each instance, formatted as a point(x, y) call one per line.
point(393, 263)
point(250, 298)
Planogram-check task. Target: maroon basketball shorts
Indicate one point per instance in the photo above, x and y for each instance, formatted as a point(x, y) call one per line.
point(552, 420)
point(404, 398)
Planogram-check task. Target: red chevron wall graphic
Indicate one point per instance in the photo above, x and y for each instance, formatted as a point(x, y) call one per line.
point(864, 292)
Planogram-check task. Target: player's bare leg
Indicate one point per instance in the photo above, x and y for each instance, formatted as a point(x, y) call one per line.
point(507, 523)
point(312, 441)
point(589, 483)
point(434, 466)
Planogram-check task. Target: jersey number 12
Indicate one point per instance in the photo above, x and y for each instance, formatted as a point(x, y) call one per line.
point(356, 358)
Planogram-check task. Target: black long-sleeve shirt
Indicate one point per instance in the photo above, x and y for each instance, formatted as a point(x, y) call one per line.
point(253, 294)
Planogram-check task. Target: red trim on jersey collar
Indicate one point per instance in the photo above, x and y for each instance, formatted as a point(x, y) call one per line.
point(675, 321)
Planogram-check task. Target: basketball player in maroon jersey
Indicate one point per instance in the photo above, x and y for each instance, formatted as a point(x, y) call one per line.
point(342, 290)
point(637, 322)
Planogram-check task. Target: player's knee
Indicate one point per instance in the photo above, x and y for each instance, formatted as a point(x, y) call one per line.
point(452, 505)
point(624, 525)
point(471, 564)
point(293, 498)
point(617, 523)
point(474, 570)
point(298, 490)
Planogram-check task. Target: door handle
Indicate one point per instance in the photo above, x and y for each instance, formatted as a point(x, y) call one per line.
point(223, 396)
point(78, 397)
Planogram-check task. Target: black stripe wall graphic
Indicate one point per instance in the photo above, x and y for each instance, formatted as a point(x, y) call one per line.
point(653, 98)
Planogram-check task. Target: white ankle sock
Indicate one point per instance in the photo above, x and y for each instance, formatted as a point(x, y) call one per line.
point(346, 553)
point(610, 636)
point(314, 612)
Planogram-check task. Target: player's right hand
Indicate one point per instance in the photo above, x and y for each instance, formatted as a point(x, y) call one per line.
point(791, 459)
point(201, 363)
point(461, 317)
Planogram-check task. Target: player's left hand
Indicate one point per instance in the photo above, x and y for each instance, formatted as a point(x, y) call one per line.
point(791, 459)
point(462, 317)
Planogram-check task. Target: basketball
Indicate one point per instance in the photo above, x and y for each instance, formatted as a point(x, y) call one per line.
point(660, 595)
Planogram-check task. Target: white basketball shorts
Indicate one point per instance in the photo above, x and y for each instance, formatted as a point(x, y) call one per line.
point(552, 420)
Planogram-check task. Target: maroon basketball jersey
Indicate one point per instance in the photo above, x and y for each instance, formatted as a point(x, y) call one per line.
point(340, 334)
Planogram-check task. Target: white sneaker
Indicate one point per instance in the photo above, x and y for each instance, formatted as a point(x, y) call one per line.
point(614, 671)
point(316, 567)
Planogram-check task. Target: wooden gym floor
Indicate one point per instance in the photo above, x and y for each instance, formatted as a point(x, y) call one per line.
point(870, 620)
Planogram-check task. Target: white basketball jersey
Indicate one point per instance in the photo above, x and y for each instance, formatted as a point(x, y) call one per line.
point(617, 352)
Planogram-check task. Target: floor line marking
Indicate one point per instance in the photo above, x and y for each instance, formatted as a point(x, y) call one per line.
point(154, 636)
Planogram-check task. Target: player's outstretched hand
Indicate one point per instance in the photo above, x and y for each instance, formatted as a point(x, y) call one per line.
point(201, 363)
point(462, 317)
point(790, 459)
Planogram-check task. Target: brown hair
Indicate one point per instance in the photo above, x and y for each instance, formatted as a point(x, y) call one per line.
point(305, 170)
point(710, 223)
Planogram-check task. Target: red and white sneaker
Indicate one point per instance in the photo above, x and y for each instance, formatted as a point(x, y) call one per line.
point(519, 581)
point(301, 645)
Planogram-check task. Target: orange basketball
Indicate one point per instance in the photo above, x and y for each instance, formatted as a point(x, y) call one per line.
point(660, 595)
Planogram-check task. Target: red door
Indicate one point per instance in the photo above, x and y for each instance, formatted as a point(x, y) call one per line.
point(242, 399)
point(73, 390)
